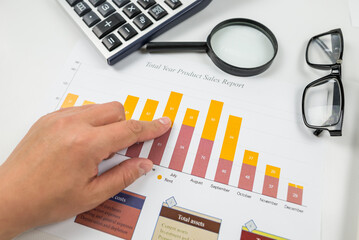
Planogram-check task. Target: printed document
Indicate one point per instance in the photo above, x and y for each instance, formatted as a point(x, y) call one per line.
point(237, 163)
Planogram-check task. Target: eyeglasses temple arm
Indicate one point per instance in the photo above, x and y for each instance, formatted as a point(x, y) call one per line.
point(336, 44)
point(317, 132)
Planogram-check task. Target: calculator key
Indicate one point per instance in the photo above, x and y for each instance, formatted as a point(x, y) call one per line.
point(131, 10)
point(95, 3)
point(73, 2)
point(173, 3)
point(142, 21)
point(91, 19)
point(82, 8)
point(111, 42)
point(127, 31)
point(146, 3)
point(121, 3)
point(108, 25)
point(105, 9)
point(157, 12)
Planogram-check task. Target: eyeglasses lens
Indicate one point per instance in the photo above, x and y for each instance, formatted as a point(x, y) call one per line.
point(322, 103)
point(325, 50)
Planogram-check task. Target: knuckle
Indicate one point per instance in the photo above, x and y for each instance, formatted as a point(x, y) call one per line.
point(49, 118)
point(78, 139)
point(117, 106)
point(134, 126)
point(58, 124)
point(43, 121)
point(74, 137)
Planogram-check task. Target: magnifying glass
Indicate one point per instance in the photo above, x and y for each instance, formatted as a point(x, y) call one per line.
point(240, 46)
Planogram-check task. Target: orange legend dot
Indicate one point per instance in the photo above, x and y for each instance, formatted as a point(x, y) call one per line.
point(159, 177)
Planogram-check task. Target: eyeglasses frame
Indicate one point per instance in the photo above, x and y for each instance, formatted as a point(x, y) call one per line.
point(336, 73)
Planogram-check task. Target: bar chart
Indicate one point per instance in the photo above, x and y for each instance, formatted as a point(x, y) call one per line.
point(181, 142)
point(237, 154)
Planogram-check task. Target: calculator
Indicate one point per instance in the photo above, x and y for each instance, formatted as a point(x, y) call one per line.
point(119, 27)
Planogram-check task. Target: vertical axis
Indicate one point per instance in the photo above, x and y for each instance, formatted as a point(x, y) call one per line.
point(76, 69)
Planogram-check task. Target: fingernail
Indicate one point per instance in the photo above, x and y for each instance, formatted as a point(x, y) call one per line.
point(165, 120)
point(145, 167)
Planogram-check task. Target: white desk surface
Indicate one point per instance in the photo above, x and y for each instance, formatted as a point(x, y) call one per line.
point(37, 37)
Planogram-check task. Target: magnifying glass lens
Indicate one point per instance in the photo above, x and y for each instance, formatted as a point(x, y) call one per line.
point(242, 46)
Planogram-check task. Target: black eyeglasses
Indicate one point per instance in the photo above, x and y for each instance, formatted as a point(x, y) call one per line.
point(323, 99)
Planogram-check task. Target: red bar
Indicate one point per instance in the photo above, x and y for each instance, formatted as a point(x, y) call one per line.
point(159, 144)
point(147, 115)
point(270, 186)
point(202, 158)
point(295, 195)
point(223, 171)
point(246, 179)
point(134, 150)
point(181, 149)
point(158, 148)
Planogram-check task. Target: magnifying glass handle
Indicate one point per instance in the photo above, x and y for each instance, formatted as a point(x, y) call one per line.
point(162, 47)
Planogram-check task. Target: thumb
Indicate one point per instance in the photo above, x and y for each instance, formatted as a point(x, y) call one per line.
point(118, 178)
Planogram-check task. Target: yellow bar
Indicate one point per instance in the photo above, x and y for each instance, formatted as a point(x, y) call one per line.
point(272, 171)
point(295, 186)
point(265, 234)
point(130, 105)
point(70, 100)
point(173, 106)
point(191, 117)
point(250, 158)
point(231, 138)
point(87, 103)
point(212, 120)
point(149, 110)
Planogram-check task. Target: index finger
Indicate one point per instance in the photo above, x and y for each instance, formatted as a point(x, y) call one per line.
point(120, 135)
point(106, 113)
